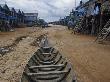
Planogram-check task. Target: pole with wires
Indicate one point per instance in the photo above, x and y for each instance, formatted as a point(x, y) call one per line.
point(75, 4)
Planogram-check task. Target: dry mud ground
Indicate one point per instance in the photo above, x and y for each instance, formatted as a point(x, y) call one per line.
point(89, 59)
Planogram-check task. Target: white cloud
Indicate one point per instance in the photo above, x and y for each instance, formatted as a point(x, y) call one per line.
point(47, 9)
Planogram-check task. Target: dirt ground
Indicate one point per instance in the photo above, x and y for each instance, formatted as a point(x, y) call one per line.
point(90, 60)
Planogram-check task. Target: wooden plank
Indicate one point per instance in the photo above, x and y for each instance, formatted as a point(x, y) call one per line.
point(47, 66)
point(42, 62)
point(48, 73)
point(46, 47)
point(46, 53)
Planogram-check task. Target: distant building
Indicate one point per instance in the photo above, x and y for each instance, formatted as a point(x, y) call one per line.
point(20, 16)
point(31, 17)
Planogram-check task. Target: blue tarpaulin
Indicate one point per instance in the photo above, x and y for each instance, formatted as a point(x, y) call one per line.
point(96, 11)
point(2, 15)
point(12, 18)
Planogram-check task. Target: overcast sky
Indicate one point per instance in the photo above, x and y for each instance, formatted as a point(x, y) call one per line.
point(50, 10)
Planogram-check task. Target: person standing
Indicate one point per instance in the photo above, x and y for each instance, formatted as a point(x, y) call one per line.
point(70, 24)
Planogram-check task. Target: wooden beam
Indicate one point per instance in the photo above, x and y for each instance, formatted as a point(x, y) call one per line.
point(46, 53)
point(47, 66)
point(48, 73)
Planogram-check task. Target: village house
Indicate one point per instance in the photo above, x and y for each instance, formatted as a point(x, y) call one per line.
point(96, 13)
point(20, 17)
point(11, 16)
point(31, 18)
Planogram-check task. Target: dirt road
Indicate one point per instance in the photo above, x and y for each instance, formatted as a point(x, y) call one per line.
point(89, 60)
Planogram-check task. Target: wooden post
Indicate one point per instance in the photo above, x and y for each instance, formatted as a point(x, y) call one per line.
point(100, 13)
point(93, 26)
point(100, 20)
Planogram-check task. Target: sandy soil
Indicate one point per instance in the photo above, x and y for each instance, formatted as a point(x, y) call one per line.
point(89, 59)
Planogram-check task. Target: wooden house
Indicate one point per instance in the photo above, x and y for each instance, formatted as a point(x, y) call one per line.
point(13, 17)
point(31, 18)
point(6, 11)
point(20, 16)
point(10, 15)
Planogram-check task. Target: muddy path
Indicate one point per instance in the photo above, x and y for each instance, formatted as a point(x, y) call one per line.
point(89, 59)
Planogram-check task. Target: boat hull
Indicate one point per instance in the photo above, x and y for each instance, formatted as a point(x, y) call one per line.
point(48, 65)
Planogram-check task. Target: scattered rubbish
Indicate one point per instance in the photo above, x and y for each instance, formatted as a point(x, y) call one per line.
point(4, 51)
